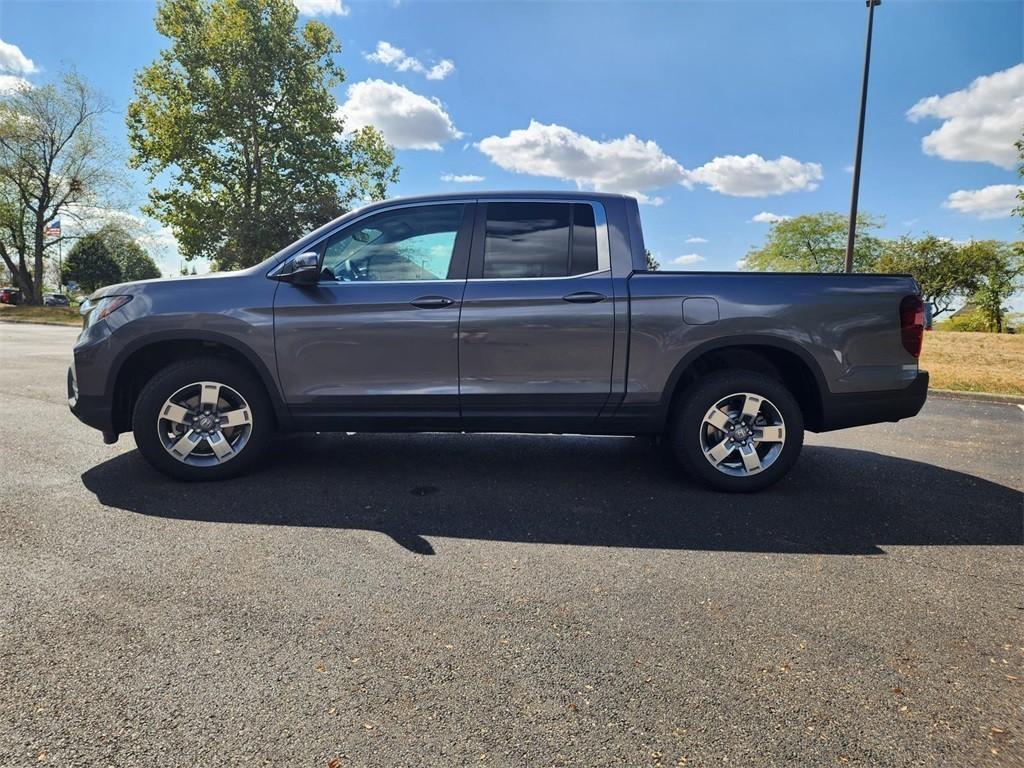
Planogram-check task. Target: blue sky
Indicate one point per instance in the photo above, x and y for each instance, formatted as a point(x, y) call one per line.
point(713, 112)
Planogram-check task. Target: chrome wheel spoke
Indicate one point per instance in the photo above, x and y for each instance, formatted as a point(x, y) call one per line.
point(221, 447)
point(176, 413)
point(770, 435)
point(742, 434)
point(719, 419)
point(209, 394)
point(751, 461)
point(720, 452)
point(186, 444)
point(205, 423)
point(235, 418)
point(751, 405)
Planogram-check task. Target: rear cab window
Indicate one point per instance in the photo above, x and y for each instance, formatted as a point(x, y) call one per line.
point(538, 240)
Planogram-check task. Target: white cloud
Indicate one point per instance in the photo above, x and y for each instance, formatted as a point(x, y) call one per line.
point(461, 178)
point(441, 70)
point(643, 199)
point(321, 7)
point(392, 56)
point(11, 83)
point(753, 176)
point(689, 258)
point(13, 60)
point(741, 264)
point(768, 218)
point(406, 119)
point(626, 165)
point(696, 240)
point(980, 122)
point(992, 202)
point(632, 166)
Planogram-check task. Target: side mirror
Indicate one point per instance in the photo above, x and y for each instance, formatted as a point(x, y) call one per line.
point(303, 269)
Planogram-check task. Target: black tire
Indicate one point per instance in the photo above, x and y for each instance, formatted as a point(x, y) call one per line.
point(687, 423)
point(182, 374)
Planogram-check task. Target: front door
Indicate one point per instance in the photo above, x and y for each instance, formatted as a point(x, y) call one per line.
point(536, 336)
point(376, 340)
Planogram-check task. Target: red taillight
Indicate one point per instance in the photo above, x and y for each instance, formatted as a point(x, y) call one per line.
point(912, 324)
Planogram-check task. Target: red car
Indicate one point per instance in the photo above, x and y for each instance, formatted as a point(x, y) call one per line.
point(10, 296)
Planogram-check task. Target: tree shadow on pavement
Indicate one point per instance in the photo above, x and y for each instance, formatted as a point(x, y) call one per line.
point(613, 492)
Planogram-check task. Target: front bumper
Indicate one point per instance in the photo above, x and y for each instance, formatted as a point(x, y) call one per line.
point(92, 411)
point(857, 408)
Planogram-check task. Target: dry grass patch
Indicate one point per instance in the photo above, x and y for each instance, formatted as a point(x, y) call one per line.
point(975, 362)
point(25, 314)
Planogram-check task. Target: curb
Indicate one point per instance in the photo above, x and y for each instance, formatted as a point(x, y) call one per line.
point(977, 397)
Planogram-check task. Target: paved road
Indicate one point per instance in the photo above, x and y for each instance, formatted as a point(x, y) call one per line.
point(507, 600)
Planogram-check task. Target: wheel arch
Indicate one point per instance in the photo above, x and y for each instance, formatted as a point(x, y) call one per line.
point(778, 358)
point(136, 364)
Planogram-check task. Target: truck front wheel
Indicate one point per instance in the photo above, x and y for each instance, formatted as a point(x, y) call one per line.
point(737, 431)
point(202, 419)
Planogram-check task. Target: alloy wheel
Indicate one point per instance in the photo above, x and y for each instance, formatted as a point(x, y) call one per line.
point(742, 434)
point(204, 424)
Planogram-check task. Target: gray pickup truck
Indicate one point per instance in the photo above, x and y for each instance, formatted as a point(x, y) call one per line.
point(511, 312)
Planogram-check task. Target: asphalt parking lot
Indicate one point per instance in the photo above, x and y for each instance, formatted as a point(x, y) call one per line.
point(507, 600)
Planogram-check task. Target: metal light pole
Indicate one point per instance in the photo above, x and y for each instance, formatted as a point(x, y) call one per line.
point(860, 139)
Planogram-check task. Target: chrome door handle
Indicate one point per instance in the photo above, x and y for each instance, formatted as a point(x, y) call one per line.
point(432, 302)
point(585, 297)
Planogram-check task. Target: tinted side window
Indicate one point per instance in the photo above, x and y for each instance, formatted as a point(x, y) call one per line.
point(527, 240)
point(584, 240)
point(408, 244)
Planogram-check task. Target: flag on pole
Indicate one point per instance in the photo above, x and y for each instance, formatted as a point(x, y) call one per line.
point(52, 229)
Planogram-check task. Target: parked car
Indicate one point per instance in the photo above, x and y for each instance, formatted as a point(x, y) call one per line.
point(10, 296)
point(56, 300)
point(514, 312)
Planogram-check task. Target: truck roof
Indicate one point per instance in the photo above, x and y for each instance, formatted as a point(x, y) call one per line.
point(548, 194)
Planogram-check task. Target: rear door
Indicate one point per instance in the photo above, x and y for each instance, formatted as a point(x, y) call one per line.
point(537, 326)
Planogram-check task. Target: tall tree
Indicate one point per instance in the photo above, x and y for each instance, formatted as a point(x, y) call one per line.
point(947, 272)
point(91, 264)
point(238, 110)
point(53, 159)
point(816, 242)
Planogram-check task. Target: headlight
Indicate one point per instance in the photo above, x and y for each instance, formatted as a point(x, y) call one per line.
point(94, 311)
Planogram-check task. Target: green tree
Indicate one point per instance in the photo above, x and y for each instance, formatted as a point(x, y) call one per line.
point(1000, 268)
point(816, 242)
point(91, 264)
point(946, 272)
point(53, 161)
point(652, 263)
point(134, 262)
point(238, 110)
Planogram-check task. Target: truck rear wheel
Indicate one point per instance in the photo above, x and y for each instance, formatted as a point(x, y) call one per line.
point(202, 419)
point(737, 431)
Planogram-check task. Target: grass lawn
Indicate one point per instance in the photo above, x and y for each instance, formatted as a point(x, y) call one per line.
point(58, 315)
point(975, 362)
